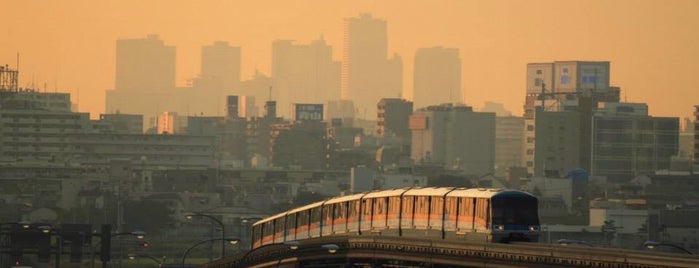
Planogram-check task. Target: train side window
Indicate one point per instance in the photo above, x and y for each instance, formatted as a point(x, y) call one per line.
point(380, 206)
point(291, 221)
point(408, 205)
point(268, 228)
point(366, 207)
point(466, 207)
point(421, 205)
point(436, 205)
point(450, 206)
point(256, 232)
point(302, 218)
point(315, 215)
point(279, 226)
point(339, 210)
point(327, 214)
point(480, 208)
point(354, 209)
point(394, 204)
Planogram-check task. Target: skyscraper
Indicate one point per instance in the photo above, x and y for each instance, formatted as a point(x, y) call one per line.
point(367, 75)
point(144, 64)
point(220, 64)
point(436, 76)
point(304, 74)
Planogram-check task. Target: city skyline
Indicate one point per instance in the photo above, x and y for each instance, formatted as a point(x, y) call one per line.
point(69, 46)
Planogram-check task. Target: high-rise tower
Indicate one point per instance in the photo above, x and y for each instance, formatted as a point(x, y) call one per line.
point(436, 76)
point(367, 75)
point(304, 74)
point(220, 65)
point(144, 64)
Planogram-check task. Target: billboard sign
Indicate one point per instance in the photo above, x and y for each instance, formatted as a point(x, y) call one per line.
point(309, 112)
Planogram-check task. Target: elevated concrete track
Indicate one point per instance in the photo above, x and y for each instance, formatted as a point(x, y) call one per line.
point(383, 251)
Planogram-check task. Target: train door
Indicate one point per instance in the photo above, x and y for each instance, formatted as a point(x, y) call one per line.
point(279, 230)
point(340, 217)
point(367, 214)
point(327, 220)
point(406, 219)
point(436, 212)
point(466, 208)
point(256, 235)
point(353, 216)
point(315, 222)
point(380, 211)
point(302, 219)
point(392, 218)
point(481, 217)
point(290, 227)
point(450, 213)
point(422, 207)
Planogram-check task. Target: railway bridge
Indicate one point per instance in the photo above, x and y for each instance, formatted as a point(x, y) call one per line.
point(385, 251)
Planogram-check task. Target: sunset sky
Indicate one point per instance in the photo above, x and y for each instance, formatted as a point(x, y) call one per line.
point(653, 45)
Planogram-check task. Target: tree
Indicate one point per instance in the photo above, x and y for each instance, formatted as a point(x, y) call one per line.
point(147, 215)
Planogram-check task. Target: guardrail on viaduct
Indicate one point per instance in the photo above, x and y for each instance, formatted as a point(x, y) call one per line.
point(376, 251)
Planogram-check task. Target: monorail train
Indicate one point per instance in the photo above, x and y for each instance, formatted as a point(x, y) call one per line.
point(494, 215)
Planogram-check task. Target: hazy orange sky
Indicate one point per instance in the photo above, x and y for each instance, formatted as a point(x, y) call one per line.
point(653, 45)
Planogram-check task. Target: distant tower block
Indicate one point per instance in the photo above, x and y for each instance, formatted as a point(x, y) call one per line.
point(271, 109)
point(232, 106)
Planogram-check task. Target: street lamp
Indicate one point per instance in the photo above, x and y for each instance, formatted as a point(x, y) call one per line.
point(652, 244)
point(293, 245)
point(106, 242)
point(332, 248)
point(231, 241)
point(214, 219)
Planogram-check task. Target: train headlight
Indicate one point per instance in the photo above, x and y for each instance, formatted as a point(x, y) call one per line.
point(499, 228)
point(534, 228)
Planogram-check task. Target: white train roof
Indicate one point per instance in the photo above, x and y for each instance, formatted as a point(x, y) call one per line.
point(476, 192)
point(345, 198)
point(431, 191)
point(385, 193)
point(271, 218)
point(306, 207)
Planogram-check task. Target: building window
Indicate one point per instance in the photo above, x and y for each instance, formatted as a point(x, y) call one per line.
point(565, 79)
point(530, 127)
point(538, 71)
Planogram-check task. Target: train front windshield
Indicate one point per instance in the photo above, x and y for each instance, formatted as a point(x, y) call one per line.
point(515, 210)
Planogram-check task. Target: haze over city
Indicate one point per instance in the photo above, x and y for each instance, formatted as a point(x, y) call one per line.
point(69, 46)
point(388, 133)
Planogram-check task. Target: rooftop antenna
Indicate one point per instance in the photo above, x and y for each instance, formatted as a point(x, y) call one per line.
point(270, 93)
point(17, 68)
